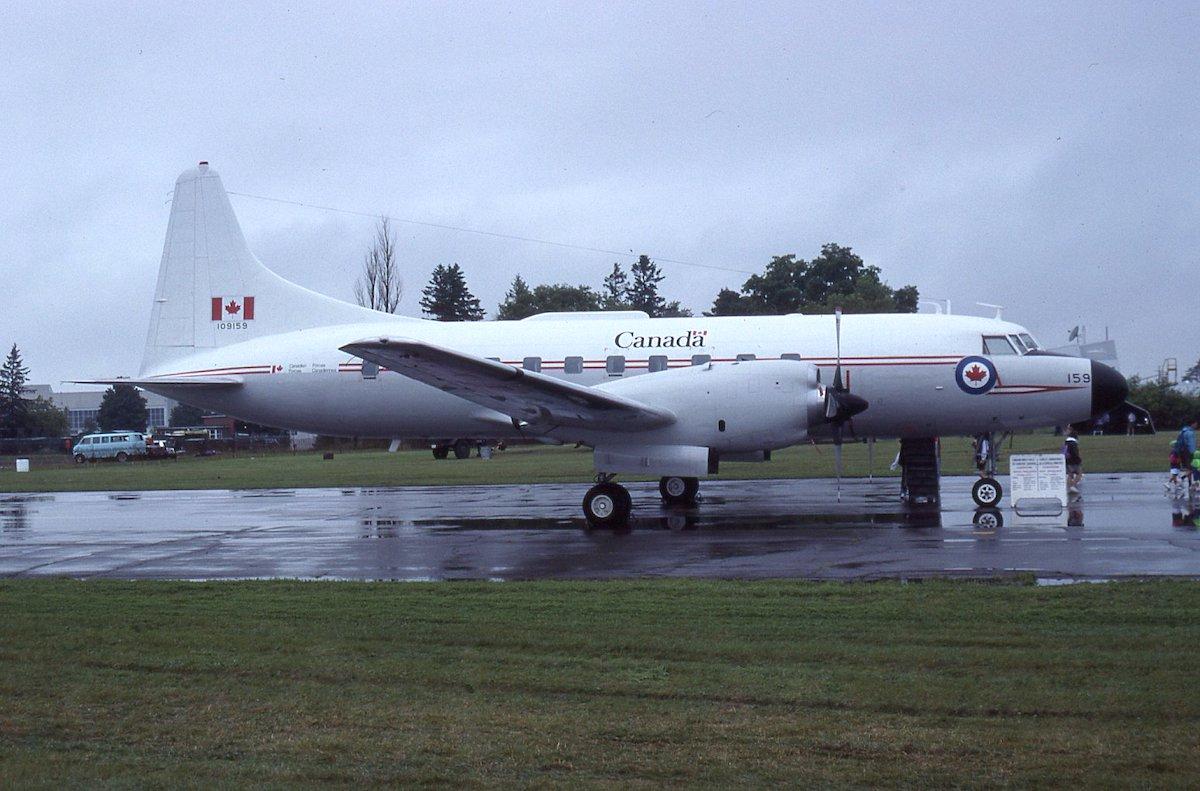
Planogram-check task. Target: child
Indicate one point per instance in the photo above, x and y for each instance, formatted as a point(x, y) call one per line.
point(1173, 486)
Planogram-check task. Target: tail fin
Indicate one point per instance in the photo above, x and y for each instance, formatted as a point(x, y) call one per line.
point(212, 291)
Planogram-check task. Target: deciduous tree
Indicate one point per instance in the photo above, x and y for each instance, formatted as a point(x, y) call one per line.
point(379, 285)
point(184, 415)
point(122, 407)
point(836, 278)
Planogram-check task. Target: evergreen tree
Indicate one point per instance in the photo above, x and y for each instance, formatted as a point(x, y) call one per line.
point(447, 298)
point(14, 409)
point(642, 293)
point(518, 302)
point(612, 293)
point(122, 408)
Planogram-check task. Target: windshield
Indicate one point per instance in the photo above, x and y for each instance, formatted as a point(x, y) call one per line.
point(997, 344)
point(1029, 342)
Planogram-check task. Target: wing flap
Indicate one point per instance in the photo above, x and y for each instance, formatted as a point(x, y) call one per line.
point(529, 397)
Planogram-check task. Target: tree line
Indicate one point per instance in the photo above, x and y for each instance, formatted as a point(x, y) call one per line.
point(838, 277)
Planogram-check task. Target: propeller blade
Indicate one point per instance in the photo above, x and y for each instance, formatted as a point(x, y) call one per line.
point(870, 458)
point(837, 463)
point(837, 372)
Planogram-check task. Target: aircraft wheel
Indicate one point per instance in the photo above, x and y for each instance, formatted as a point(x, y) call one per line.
point(988, 519)
point(462, 449)
point(679, 491)
point(987, 492)
point(80, 458)
point(607, 505)
point(122, 457)
point(440, 451)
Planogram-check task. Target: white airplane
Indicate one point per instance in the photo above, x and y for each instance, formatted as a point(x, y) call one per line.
point(668, 398)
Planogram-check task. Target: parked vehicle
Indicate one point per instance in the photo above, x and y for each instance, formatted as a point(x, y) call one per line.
point(157, 449)
point(119, 445)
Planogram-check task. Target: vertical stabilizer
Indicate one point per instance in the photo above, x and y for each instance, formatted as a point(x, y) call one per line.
point(211, 289)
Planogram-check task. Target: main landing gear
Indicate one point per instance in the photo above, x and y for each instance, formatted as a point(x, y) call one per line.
point(608, 504)
point(678, 491)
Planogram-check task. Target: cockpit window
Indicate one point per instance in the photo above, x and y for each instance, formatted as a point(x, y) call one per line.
point(997, 344)
point(1030, 343)
point(1020, 344)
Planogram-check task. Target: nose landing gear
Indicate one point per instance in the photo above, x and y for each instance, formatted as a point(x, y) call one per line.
point(987, 492)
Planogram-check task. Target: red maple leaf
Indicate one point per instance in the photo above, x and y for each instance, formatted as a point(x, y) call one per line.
point(976, 374)
point(233, 306)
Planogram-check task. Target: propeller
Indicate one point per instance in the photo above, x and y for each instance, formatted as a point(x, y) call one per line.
point(840, 404)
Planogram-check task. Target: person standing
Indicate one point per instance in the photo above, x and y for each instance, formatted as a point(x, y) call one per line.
point(1074, 461)
point(1130, 424)
point(1185, 445)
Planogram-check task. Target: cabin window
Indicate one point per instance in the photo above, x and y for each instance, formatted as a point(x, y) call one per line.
point(370, 370)
point(658, 362)
point(997, 344)
point(615, 365)
point(789, 356)
point(573, 365)
point(105, 440)
point(700, 359)
point(532, 364)
point(744, 357)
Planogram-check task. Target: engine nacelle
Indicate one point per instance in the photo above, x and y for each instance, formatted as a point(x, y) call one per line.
point(741, 407)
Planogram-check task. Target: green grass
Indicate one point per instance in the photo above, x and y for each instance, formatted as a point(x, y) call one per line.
point(523, 464)
point(594, 684)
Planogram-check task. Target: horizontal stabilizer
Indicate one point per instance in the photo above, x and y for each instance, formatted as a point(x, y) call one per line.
point(167, 381)
point(527, 397)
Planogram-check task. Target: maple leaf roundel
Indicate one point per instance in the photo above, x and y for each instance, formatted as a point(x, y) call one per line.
point(975, 375)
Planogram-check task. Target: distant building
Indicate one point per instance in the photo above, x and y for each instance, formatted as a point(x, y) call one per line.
point(1101, 351)
point(83, 406)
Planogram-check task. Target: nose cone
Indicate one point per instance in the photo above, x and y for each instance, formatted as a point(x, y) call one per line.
point(1109, 389)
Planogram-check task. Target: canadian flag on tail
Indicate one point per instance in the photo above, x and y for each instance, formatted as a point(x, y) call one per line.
point(232, 308)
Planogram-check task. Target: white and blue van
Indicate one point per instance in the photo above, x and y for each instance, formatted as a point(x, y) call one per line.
point(119, 445)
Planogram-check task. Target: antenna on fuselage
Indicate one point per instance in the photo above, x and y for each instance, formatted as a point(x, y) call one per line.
point(998, 308)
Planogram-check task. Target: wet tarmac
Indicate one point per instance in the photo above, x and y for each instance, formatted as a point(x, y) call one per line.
point(1123, 525)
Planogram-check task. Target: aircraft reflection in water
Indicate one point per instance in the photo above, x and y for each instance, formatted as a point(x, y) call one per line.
point(993, 518)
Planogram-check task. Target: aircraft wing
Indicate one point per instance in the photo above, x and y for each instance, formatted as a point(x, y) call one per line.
point(541, 401)
point(168, 381)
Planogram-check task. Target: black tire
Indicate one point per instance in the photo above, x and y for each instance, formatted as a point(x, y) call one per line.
point(987, 492)
point(80, 458)
point(440, 451)
point(122, 457)
point(607, 505)
point(676, 490)
point(462, 449)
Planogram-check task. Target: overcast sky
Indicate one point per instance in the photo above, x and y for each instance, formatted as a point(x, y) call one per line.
point(1041, 158)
